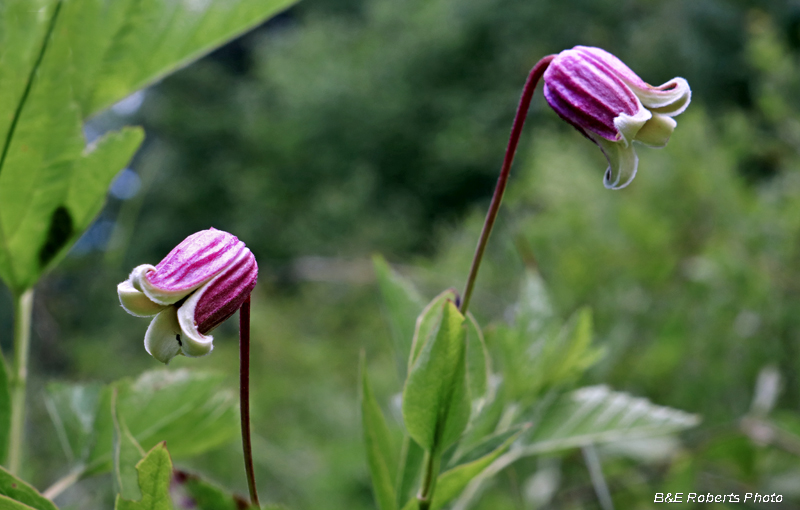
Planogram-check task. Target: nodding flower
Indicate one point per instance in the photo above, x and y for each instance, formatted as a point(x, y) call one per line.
point(607, 102)
point(195, 288)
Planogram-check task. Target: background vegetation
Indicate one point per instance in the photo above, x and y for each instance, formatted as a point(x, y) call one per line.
point(350, 127)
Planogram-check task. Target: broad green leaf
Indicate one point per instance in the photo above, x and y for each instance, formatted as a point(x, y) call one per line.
point(151, 38)
point(51, 184)
point(61, 62)
point(155, 472)
point(73, 409)
point(408, 473)
point(380, 453)
point(5, 409)
point(436, 406)
point(428, 323)
point(402, 304)
point(597, 414)
point(15, 489)
point(127, 454)
point(195, 492)
point(190, 410)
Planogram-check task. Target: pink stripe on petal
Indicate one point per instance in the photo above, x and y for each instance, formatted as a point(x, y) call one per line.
point(197, 259)
point(222, 296)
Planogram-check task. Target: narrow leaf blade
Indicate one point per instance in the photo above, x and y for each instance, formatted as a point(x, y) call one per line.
point(380, 454)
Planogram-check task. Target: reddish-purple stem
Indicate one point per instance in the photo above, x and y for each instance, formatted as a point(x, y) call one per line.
point(516, 130)
point(244, 398)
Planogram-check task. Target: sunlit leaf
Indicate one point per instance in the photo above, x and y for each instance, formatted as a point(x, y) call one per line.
point(15, 489)
point(155, 473)
point(380, 453)
point(436, 406)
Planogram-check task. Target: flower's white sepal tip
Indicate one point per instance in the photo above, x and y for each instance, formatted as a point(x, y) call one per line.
point(135, 302)
point(163, 338)
point(622, 163)
point(195, 344)
point(656, 131)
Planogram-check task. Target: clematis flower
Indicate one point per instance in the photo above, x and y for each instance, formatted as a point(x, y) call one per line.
point(607, 102)
point(197, 286)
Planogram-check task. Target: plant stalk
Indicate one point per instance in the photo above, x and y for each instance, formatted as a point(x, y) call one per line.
point(430, 472)
point(516, 130)
point(244, 398)
point(23, 308)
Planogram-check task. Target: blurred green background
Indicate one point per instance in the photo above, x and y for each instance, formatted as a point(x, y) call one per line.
point(343, 128)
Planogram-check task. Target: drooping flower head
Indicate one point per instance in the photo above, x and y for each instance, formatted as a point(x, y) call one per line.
point(607, 102)
point(197, 286)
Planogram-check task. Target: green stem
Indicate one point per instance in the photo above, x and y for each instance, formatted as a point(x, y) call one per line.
point(23, 308)
point(244, 398)
point(516, 130)
point(430, 472)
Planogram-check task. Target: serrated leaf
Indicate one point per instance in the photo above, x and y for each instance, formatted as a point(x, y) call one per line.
point(73, 409)
point(401, 306)
point(17, 490)
point(436, 406)
point(155, 473)
point(597, 414)
point(380, 453)
point(127, 454)
point(187, 409)
point(408, 473)
point(427, 324)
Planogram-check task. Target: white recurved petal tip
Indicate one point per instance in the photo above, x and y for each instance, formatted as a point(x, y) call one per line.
point(138, 279)
point(629, 125)
point(136, 302)
point(622, 163)
point(163, 338)
point(671, 98)
point(195, 344)
point(656, 131)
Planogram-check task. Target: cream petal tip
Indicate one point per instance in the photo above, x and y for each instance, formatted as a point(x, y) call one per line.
point(135, 302)
point(656, 131)
point(195, 344)
point(622, 163)
point(163, 338)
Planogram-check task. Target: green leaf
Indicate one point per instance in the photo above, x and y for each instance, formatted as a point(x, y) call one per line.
point(155, 472)
point(597, 414)
point(427, 324)
point(148, 39)
point(202, 494)
point(477, 363)
point(62, 62)
point(402, 304)
point(5, 409)
point(408, 473)
point(380, 453)
point(51, 185)
point(157, 406)
point(534, 309)
point(436, 406)
point(73, 409)
point(127, 454)
point(17, 490)
point(452, 482)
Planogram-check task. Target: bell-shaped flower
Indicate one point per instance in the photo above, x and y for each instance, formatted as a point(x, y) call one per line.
point(607, 102)
point(199, 284)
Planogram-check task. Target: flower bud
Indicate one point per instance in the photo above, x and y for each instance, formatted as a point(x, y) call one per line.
point(607, 102)
point(195, 288)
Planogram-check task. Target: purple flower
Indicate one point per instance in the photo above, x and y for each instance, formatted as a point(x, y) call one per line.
point(607, 102)
point(197, 286)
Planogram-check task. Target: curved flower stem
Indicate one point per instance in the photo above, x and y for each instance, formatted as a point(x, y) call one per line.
point(516, 130)
point(23, 308)
point(244, 398)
